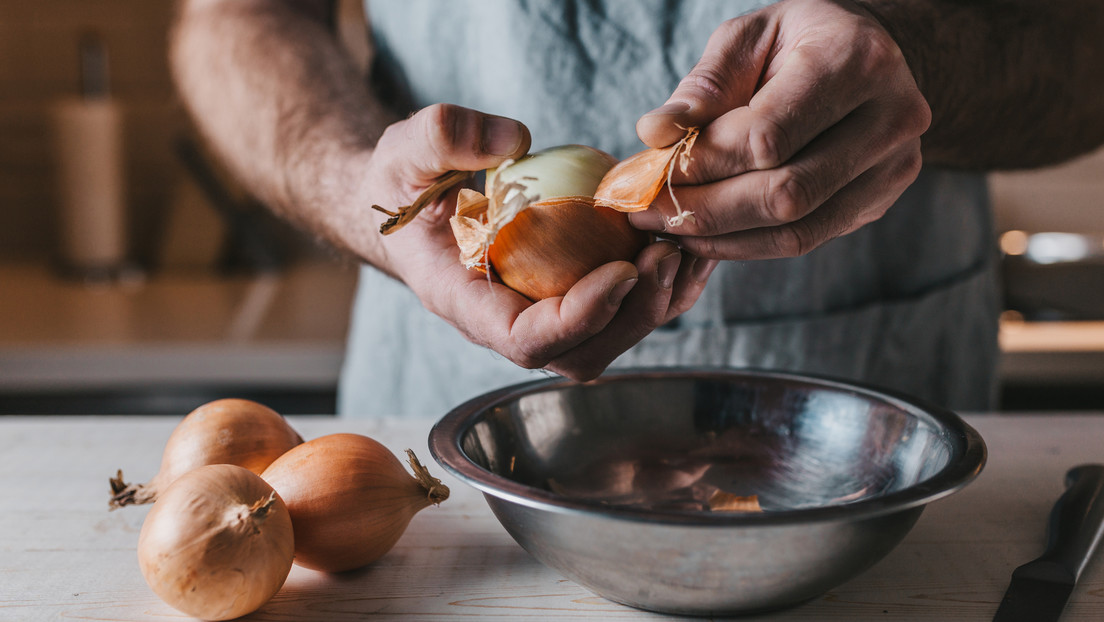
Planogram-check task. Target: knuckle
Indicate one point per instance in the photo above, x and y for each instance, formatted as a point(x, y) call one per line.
point(710, 247)
point(917, 113)
point(529, 359)
point(769, 143)
point(527, 352)
point(912, 118)
point(576, 367)
point(393, 135)
point(912, 162)
point(585, 373)
point(705, 80)
point(443, 123)
point(793, 240)
point(790, 197)
point(881, 52)
point(704, 221)
point(871, 213)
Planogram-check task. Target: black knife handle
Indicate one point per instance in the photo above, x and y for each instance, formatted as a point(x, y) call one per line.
point(1077, 521)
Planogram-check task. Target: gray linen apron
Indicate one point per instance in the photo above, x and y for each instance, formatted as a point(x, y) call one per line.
point(908, 303)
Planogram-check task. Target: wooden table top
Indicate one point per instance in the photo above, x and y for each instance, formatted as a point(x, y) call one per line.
point(64, 555)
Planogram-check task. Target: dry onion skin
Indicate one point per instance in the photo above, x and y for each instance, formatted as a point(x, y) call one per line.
point(350, 499)
point(635, 182)
point(228, 431)
point(538, 226)
point(217, 544)
point(551, 217)
point(721, 501)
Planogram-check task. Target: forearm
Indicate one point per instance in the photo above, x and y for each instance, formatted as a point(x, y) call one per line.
point(1011, 84)
point(274, 95)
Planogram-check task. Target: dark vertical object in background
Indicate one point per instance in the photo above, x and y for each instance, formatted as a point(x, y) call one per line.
point(88, 144)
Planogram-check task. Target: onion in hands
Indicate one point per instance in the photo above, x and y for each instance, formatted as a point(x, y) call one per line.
point(217, 544)
point(350, 499)
point(227, 431)
point(538, 225)
point(551, 217)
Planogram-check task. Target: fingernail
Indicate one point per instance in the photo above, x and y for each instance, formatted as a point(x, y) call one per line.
point(671, 108)
point(702, 269)
point(667, 269)
point(501, 136)
point(647, 220)
point(622, 289)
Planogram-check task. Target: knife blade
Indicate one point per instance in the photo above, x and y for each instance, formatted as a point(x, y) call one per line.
point(1040, 588)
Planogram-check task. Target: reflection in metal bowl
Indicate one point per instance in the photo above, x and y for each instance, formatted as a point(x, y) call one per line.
point(609, 482)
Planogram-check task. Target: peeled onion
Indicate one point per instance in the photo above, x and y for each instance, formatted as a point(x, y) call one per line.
point(228, 431)
point(217, 544)
point(350, 499)
point(538, 226)
point(553, 216)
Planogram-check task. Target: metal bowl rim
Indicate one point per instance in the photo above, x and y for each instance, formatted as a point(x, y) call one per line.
point(968, 457)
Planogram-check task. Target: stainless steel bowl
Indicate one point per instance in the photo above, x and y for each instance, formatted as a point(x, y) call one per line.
point(611, 483)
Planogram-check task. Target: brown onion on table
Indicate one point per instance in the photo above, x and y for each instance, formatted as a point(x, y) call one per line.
point(350, 499)
point(228, 431)
point(217, 544)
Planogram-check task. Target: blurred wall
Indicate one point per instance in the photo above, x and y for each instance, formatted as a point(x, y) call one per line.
point(1068, 197)
point(39, 64)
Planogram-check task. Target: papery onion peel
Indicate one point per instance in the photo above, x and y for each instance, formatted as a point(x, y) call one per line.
point(541, 243)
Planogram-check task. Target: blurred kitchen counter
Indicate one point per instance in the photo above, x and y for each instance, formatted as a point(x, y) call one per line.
point(199, 335)
point(281, 331)
point(1060, 352)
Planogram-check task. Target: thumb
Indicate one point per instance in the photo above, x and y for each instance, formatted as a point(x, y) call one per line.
point(445, 137)
point(724, 79)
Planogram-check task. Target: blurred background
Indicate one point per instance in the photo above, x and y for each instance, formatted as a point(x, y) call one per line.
point(135, 277)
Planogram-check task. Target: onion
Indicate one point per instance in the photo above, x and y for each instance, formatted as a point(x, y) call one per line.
point(218, 543)
point(228, 431)
point(551, 217)
point(350, 499)
point(538, 226)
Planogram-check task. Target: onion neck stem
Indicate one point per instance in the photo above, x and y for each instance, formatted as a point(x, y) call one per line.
point(400, 217)
point(436, 492)
point(259, 510)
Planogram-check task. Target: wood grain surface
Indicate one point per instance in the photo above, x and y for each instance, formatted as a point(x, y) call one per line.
point(63, 555)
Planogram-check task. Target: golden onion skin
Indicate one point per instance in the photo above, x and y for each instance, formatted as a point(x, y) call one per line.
point(217, 544)
point(552, 244)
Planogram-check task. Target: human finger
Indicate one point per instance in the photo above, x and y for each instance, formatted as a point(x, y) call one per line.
point(445, 137)
point(643, 309)
point(723, 79)
point(864, 200)
point(783, 194)
point(821, 83)
point(690, 282)
point(533, 334)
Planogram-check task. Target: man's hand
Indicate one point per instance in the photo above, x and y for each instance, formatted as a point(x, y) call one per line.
point(810, 128)
point(576, 335)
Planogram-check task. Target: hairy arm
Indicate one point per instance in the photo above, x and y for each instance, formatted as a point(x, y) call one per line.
point(277, 99)
point(274, 95)
point(1011, 83)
